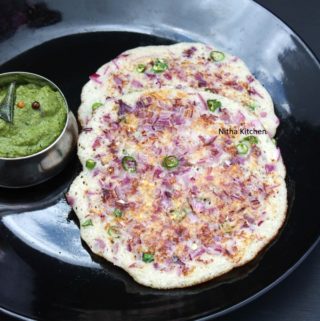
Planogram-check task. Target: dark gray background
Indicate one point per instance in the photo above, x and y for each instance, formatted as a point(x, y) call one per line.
point(298, 297)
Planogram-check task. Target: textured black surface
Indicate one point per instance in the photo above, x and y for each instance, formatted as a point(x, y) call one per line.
point(28, 275)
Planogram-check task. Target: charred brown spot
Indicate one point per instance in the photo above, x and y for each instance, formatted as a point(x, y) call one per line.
point(208, 119)
point(110, 170)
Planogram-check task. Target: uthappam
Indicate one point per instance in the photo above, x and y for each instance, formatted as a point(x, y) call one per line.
point(178, 187)
point(179, 66)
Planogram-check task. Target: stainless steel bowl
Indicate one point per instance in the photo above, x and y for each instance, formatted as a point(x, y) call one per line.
point(36, 168)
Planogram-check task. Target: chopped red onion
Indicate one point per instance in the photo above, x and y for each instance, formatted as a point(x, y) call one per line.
point(114, 61)
point(96, 143)
point(70, 199)
point(269, 168)
point(100, 244)
point(192, 217)
point(136, 84)
point(157, 173)
point(106, 70)
point(225, 116)
point(253, 91)
point(201, 82)
point(234, 85)
point(249, 219)
point(151, 76)
point(95, 77)
point(197, 253)
point(167, 75)
point(189, 52)
point(250, 78)
point(239, 118)
point(117, 80)
point(123, 107)
point(204, 104)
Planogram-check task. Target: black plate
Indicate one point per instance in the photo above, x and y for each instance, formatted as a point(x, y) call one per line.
point(45, 270)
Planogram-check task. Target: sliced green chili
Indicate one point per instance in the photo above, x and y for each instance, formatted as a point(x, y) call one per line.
point(90, 164)
point(159, 66)
point(141, 68)
point(147, 257)
point(170, 162)
point(96, 105)
point(242, 148)
point(213, 104)
point(217, 55)
point(129, 164)
point(253, 140)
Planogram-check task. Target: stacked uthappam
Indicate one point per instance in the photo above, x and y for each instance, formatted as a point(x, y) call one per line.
point(179, 184)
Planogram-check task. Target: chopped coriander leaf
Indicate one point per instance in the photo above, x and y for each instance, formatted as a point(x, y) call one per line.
point(147, 257)
point(117, 212)
point(253, 105)
point(96, 105)
point(178, 215)
point(113, 232)
point(87, 223)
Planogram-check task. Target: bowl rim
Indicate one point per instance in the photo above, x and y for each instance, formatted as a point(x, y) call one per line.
point(42, 151)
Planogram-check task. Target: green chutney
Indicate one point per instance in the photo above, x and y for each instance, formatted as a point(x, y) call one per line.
point(32, 129)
